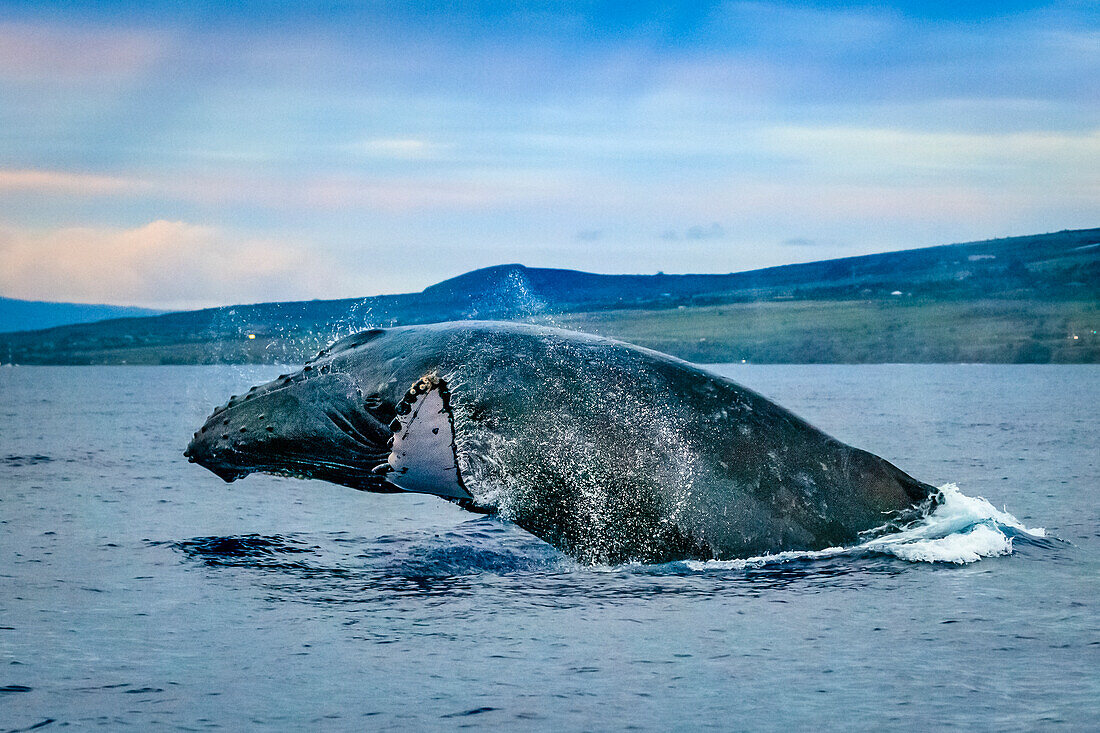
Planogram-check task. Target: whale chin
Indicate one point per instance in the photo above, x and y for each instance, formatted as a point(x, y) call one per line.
point(237, 462)
point(227, 475)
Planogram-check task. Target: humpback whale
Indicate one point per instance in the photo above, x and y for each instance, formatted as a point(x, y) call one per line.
point(608, 451)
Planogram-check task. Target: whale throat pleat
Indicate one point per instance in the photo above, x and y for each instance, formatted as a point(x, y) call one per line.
point(423, 458)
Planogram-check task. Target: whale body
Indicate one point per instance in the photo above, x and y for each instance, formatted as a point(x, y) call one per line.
point(608, 451)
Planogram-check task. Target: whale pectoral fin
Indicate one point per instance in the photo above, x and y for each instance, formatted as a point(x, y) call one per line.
point(423, 458)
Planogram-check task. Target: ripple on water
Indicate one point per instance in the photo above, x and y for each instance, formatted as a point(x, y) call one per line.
point(338, 569)
point(25, 460)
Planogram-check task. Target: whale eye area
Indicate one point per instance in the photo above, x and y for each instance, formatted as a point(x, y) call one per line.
point(379, 408)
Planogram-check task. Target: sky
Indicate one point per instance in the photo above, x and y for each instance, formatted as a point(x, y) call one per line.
point(180, 155)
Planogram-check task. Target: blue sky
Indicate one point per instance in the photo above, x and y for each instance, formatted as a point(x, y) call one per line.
point(182, 157)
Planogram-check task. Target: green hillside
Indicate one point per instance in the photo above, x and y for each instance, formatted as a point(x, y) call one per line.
point(917, 330)
point(1020, 299)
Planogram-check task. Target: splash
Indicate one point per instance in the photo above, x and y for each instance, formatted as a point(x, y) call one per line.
point(962, 529)
point(511, 297)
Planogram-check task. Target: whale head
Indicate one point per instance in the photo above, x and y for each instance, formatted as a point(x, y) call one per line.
point(313, 424)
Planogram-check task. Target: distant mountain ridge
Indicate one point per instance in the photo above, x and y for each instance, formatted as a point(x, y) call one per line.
point(1018, 277)
point(31, 315)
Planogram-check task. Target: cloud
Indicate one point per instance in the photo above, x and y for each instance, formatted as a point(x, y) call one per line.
point(816, 243)
point(695, 233)
point(62, 182)
point(40, 53)
point(860, 150)
point(324, 192)
point(713, 231)
point(398, 148)
point(854, 129)
point(164, 264)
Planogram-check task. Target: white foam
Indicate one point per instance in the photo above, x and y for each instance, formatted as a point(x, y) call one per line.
point(962, 529)
point(773, 559)
point(961, 548)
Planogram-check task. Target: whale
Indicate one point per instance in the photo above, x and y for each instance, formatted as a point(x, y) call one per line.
point(608, 451)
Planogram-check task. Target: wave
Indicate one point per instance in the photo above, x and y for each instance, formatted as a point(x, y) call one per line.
point(957, 529)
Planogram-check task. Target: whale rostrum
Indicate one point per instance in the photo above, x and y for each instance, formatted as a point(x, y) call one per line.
point(608, 451)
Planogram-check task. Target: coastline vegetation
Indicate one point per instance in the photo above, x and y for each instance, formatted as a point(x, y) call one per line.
point(1032, 299)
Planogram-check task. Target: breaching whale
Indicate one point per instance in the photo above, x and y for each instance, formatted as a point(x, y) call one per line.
point(608, 451)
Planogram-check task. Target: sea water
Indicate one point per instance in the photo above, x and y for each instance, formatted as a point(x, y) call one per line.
point(139, 591)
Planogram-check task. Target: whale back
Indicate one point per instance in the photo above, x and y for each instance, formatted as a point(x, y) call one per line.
point(612, 452)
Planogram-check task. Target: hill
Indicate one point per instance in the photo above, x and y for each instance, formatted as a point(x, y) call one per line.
point(28, 315)
point(1032, 299)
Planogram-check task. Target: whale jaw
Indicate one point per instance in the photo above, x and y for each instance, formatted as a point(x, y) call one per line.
point(280, 431)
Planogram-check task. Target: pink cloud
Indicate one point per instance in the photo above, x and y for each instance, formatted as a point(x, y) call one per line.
point(320, 192)
point(61, 182)
point(44, 53)
point(395, 195)
point(165, 264)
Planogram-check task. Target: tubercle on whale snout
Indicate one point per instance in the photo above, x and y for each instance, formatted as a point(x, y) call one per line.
point(309, 370)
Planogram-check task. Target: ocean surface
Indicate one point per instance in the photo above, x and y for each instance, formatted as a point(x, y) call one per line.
point(138, 591)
